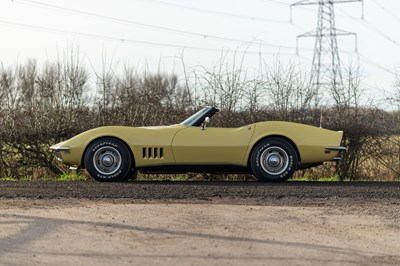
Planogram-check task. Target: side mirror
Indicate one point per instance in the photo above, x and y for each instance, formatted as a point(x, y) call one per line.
point(204, 124)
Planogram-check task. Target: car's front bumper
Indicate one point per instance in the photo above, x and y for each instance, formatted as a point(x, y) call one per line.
point(59, 150)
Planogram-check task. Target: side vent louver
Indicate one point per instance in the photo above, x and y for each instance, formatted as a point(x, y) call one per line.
point(153, 153)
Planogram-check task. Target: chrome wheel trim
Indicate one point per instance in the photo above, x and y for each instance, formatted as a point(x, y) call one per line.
point(107, 160)
point(274, 160)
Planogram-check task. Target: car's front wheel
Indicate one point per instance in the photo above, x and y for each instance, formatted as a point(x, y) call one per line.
point(273, 159)
point(108, 159)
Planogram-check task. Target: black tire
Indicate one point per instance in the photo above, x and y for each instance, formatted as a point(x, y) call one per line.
point(273, 159)
point(108, 160)
point(132, 174)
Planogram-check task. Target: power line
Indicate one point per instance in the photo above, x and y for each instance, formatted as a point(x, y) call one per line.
point(131, 22)
point(103, 37)
point(215, 12)
point(372, 28)
point(130, 41)
point(370, 62)
point(373, 63)
point(276, 2)
point(220, 13)
point(386, 10)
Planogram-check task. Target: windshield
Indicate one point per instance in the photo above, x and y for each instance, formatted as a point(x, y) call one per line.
point(192, 119)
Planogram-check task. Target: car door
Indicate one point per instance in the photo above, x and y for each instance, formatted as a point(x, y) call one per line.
point(194, 145)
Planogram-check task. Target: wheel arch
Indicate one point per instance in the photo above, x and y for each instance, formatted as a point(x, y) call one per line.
point(274, 136)
point(112, 137)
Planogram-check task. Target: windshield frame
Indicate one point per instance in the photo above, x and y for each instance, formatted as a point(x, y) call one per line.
point(198, 118)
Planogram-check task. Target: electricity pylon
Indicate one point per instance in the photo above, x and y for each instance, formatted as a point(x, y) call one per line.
point(326, 70)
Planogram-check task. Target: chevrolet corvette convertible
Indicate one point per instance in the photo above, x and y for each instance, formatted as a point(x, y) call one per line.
point(271, 151)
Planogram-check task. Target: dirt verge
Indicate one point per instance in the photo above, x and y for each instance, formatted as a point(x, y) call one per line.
point(81, 223)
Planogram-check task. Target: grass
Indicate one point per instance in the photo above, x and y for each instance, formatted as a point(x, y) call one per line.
point(63, 177)
point(334, 178)
point(184, 177)
point(72, 177)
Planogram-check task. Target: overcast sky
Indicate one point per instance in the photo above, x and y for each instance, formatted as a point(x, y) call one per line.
point(154, 32)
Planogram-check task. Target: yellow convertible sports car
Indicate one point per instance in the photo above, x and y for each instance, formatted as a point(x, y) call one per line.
point(272, 151)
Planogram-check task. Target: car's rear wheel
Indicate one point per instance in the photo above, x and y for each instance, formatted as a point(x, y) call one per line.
point(273, 159)
point(109, 160)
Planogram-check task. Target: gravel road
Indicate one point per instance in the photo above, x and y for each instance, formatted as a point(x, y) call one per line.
point(272, 192)
point(199, 223)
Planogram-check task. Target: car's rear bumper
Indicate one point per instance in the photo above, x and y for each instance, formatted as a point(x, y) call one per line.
point(338, 149)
